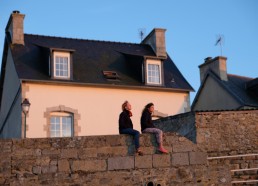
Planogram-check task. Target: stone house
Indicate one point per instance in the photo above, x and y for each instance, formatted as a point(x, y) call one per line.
point(222, 91)
point(76, 86)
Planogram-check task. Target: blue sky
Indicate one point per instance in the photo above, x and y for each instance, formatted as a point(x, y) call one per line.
point(192, 27)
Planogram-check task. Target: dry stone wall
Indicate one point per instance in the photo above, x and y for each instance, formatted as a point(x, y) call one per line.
point(230, 139)
point(228, 132)
point(102, 160)
point(232, 136)
point(110, 160)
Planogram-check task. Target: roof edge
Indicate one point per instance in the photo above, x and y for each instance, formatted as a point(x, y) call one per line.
point(66, 83)
point(214, 76)
point(90, 40)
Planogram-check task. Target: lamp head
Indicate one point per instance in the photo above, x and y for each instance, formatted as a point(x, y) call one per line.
point(25, 106)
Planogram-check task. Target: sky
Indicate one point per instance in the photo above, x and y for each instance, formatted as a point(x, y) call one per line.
point(192, 27)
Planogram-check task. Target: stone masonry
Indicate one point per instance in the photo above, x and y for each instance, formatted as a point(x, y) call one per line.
point(231, 136)
point(110, 160)
point(100, 160)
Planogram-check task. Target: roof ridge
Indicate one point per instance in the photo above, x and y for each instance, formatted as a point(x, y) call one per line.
point(91, 40)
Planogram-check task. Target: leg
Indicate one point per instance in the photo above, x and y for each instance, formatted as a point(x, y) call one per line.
point(134, 133)
point(159, 136)
point(158, 133)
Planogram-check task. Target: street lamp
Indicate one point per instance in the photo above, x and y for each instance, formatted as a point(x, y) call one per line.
point(25, 109)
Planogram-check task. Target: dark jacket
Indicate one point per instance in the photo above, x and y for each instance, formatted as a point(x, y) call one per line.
point(125, 120)
point(146, 121)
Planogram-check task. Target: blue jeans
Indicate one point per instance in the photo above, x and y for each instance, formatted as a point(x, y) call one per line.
point(134, 133)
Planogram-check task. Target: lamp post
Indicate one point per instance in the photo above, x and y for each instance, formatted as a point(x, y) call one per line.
point(25, 109)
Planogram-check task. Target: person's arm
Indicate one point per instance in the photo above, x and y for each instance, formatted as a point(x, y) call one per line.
point(148, 122)
point(151, 123)
point(122, 120)
point(125, 121)
point(144, 120)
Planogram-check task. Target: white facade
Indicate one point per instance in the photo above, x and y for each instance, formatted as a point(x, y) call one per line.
point(97, 109)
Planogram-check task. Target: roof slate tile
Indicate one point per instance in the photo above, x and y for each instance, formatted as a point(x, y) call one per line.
point(90, 58)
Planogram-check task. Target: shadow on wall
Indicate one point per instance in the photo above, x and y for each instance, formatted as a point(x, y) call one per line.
point(151, 183)
point(183, 124)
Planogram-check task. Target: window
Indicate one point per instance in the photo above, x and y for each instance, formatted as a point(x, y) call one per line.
point(153, 72)
point(62, 65)
point(60, 111)
point(61, 125)
point(110, 75)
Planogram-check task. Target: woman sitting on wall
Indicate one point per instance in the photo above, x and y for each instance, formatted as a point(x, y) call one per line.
point(126, 125)
point(148, 127)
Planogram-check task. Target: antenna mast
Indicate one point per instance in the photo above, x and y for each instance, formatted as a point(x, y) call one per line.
point(141, 32)
point(220, 42)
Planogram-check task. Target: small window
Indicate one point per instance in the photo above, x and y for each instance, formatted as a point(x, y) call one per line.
point(62, 65)
point(153, 72)
point(111, 75)
point(61, 125)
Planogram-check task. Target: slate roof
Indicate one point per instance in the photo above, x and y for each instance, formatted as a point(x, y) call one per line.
point(90, 58)
point(236, 86)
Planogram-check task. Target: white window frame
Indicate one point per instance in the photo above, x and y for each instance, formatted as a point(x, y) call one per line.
point(64, 55)
point(153, 62)
point(61, 115)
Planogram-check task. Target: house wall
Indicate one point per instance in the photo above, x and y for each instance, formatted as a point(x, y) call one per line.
point(10, 115)
point(97, 109)
point(214, 97)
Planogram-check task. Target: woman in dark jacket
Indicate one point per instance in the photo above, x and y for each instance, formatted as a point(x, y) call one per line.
point(126, 125)
point(148, 127)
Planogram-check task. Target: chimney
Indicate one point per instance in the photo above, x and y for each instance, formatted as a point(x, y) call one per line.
point(156, 39)
point(218, 65)
point(15, 27)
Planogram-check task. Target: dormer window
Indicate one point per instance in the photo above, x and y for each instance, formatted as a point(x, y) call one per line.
point(62, 65)
point(154, 72)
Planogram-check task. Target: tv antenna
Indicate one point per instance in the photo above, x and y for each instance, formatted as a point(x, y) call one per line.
point(141, 32)
point(220, 41)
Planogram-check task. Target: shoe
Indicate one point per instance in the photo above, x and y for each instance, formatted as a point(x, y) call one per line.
point(139, 152)
point(162, 150)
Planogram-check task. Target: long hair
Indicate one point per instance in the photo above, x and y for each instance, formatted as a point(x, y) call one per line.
point(147, 107)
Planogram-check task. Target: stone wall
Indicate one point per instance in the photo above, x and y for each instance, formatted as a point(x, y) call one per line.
point(218, 133)
point(228, 132)
point(103, 160)
point(183, 124)
point(230, 138)
point(110, 160)
point(232, 135)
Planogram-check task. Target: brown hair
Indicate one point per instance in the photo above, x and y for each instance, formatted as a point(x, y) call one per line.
point(147, 106)
point(124, 105)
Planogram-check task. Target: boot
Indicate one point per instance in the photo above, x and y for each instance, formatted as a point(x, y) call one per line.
point(139, 152)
